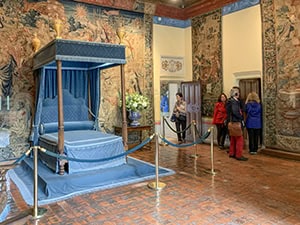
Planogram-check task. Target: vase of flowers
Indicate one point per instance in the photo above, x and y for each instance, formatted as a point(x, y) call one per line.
point(134, 117)
point(135, 103)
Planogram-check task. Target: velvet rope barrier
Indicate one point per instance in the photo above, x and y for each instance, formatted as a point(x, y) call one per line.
point(200, 140)
point(98, 160)
point(178, 132)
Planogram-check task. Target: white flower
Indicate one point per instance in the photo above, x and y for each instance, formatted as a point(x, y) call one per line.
point(136, 102)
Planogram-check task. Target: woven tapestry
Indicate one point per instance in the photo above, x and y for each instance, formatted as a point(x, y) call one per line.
point(207, 63)
point(281, 36)
point(22, 21)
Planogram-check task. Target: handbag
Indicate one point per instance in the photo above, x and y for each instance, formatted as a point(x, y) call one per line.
point(235, 129)
point(182, 118)
point(173, 118)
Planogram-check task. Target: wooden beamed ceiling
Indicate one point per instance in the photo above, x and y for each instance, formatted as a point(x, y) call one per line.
point(176, 9)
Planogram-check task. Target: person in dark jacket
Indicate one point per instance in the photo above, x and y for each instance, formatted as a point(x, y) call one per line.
point(253, 109)
point(219, 119)
point(235, 114)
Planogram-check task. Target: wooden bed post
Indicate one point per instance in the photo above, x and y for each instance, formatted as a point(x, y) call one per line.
point(124, 119)
point(60, 116)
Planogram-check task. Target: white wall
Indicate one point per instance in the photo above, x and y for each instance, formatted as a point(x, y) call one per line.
point(242, 46)
point(170, 41)
point(241, 53)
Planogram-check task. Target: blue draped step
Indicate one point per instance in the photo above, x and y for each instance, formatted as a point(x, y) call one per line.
point(53, 187)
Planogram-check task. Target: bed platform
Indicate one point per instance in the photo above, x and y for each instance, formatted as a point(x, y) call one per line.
point(84, 144)
point(67, 104)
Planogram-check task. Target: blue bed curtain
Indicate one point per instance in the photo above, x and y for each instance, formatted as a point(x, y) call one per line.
point(80, 83)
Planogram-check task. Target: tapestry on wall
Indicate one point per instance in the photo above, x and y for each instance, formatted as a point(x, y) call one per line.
point(281, 36)
point(22, 21)
point(207, 63)
point(288, 77)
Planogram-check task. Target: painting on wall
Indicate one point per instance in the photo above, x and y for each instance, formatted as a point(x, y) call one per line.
point(171, 66)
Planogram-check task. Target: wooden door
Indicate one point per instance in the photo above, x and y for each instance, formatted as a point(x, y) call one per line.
point(247, 86)
point(192, 95)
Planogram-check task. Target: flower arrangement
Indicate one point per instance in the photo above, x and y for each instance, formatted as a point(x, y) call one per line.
point(136, 102)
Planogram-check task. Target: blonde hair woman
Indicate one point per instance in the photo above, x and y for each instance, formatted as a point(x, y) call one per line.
point(253, 110)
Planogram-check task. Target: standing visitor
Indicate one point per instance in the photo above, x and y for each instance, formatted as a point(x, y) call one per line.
point(180, 112)
point(253, 110)
point(164, 103)
point(235, 114)
point(219, 119)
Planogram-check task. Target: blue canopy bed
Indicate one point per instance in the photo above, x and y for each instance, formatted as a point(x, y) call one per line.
point(67, 76)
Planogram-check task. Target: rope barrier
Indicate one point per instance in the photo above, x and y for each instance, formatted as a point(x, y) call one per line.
point(200, 140)
point(178, 132)
point(39, 212)
point(142, 144)
point(135, 148)
point(23, 156)
point(98, 160)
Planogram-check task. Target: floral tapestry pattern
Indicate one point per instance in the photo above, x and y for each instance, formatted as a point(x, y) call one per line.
point(21, 21)
point(207, 64)
point(282, 76)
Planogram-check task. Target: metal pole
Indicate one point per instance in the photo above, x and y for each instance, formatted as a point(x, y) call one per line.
point(124, 120)
point(35, 188)
point(156, 161)
point(164, 132)
point(37, 212)
point(194, 139)
point(156, 185)
point(212, 150)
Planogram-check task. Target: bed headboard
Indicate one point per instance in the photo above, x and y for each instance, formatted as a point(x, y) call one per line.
point(76, 114)
point(75, 109)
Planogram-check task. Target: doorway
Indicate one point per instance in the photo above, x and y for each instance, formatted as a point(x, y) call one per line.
point(192, 95)
point(247, 86)
point(250, 85)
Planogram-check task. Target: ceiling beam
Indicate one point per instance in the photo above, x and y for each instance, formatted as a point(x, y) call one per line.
point(163, 10)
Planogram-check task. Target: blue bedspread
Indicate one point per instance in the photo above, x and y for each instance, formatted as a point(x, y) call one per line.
point(84, 144)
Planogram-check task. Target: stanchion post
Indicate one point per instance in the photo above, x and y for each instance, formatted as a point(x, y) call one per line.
point(212, 150)
point(164, 131)
point(37, 212)
point(164, 134)
point(194, 139)
point(156, 184)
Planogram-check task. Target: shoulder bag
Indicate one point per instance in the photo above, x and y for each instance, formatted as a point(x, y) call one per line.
point(173, 118)
point(234, 128)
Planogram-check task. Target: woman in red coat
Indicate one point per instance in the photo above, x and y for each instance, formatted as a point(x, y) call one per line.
point(219, 119)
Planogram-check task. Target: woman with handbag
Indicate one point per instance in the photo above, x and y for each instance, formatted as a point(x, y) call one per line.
point(235, 123)
point(180, 112)
point(219, 119)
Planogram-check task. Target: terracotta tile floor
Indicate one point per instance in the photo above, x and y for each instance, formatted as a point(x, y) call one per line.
point(264, 190)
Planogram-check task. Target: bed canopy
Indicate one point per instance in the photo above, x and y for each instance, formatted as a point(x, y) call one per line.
point(68, 74)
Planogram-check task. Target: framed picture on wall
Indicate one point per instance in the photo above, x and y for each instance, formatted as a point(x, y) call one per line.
point(171, 67)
